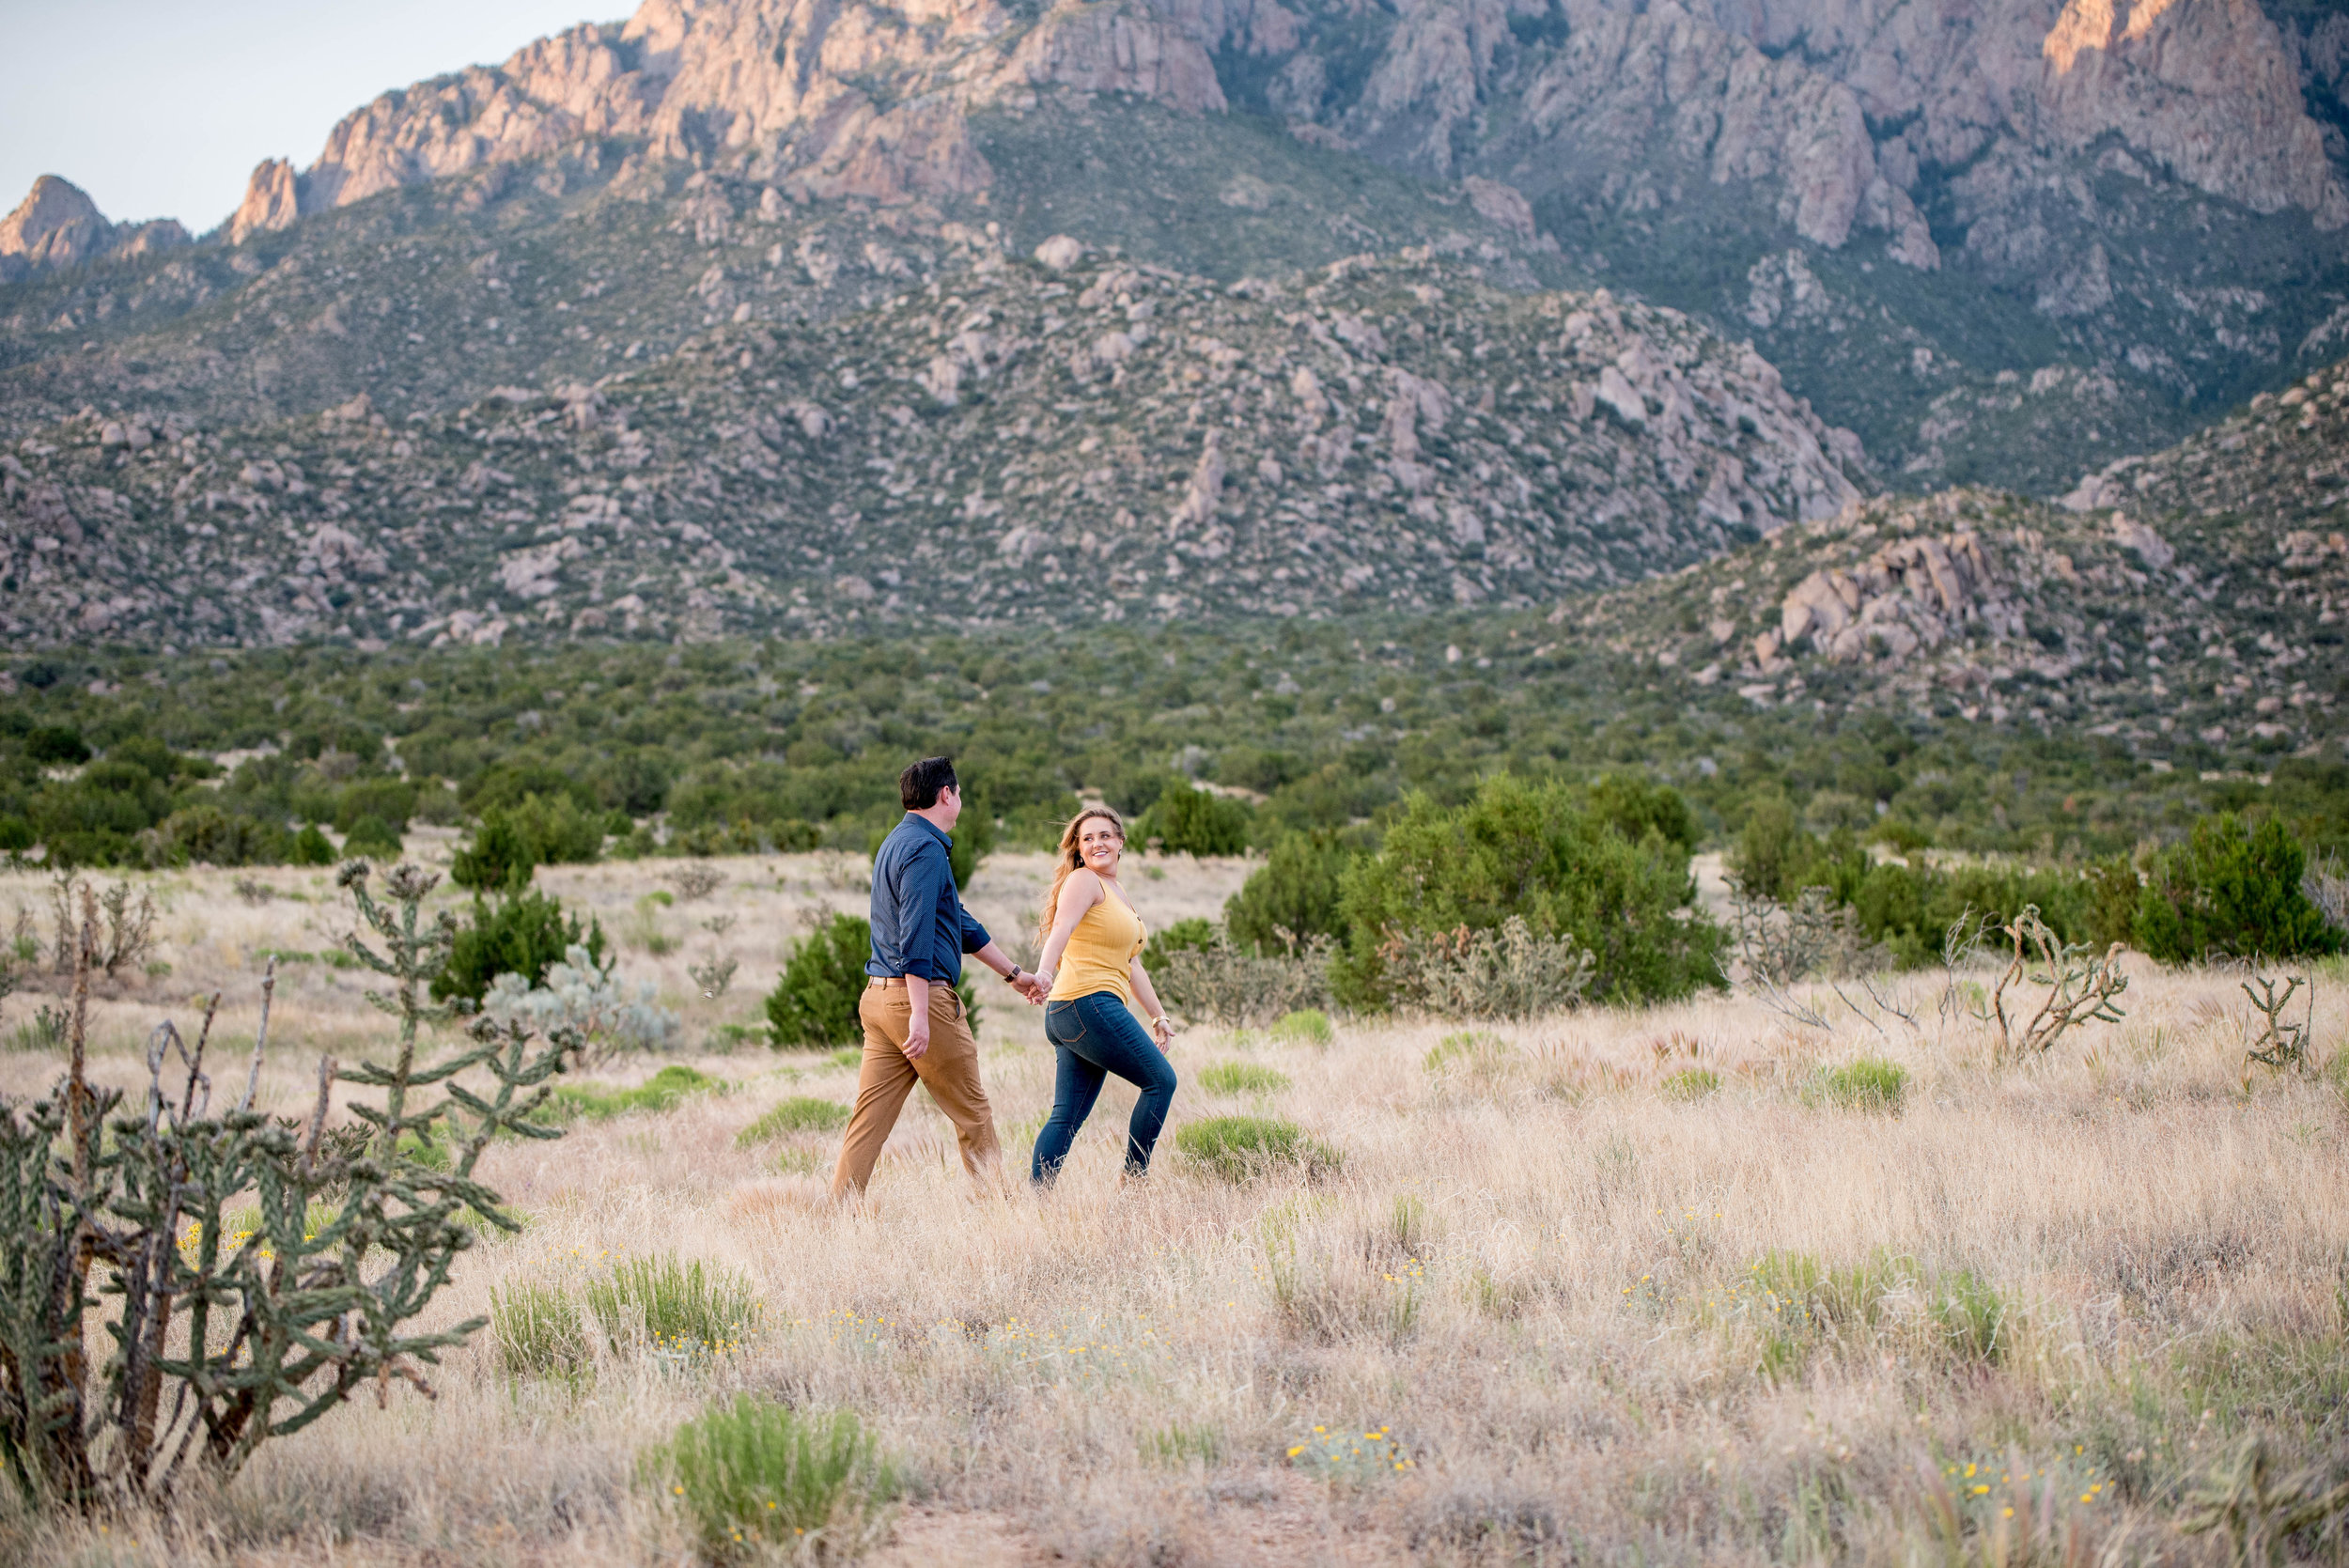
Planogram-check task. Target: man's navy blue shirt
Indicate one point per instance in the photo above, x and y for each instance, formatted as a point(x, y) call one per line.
point(919, 924)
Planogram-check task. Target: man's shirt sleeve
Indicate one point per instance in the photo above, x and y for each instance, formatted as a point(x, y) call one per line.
point(974, 936)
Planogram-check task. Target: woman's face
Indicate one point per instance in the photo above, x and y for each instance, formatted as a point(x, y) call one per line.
point(1099, 844)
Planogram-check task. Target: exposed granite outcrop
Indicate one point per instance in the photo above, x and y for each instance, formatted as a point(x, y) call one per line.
point(56, 224)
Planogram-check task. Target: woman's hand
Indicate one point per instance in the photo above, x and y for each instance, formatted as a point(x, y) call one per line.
point(1162, 1030)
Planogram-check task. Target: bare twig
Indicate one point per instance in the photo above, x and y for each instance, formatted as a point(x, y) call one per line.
point(318, 1115)
point(1788, 1006)
point(1907, 1015)
point(260, 1036)
point(1855, 1012)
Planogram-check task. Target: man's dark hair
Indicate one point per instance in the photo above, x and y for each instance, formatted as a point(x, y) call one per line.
point(919, 785)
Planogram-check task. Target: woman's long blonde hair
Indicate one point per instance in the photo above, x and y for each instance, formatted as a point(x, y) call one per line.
point(1071, 859)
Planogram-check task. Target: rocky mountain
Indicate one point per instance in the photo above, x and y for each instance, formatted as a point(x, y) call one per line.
point(1071, 435)
point(2190, 602)
point(57, 225)
point(433, 294)
point(2002, 240)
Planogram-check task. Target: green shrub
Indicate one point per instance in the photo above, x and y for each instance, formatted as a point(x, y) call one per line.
point(2113, 890)
point(497, 859)
point(1243, 1078)
point(310, 847)
point(55, 745)
point(1531, 850)
point(510, 782)
point(1308, 1026)
point(1692, 1083)
point(538, 829)
point(521, 934)
point(814, 1001)
point(208, 835)
point(538, 1331)
point(1635, 808)
point(800, 1113)
point(753, 1471)
point(372, 838)
point(673, 1308)
point(2231, 890)
point(394, 800)
point(1871, 1083)
point(1240, 1147)
point(971, 841)
point(16, 834)
point(1183, 936)
point(1187, 821)
point(1769, 849)
point(1909, 909)
point(1296, 894)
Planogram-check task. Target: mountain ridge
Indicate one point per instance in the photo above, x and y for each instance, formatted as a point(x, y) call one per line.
point(1069, 435)
point(2134, 213)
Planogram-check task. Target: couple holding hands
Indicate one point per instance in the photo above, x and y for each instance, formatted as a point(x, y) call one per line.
point(1088, 978)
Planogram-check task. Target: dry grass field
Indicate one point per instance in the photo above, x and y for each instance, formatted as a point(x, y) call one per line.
point(1614, 1286)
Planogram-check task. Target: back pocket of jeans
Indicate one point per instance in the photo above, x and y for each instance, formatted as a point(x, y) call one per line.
point(1064, 1026)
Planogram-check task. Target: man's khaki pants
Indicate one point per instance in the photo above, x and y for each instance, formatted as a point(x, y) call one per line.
point(949, 1069)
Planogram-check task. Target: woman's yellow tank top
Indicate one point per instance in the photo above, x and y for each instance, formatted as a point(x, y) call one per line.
point(1105, 941)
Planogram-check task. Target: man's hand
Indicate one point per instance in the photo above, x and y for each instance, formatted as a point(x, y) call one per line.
point(917, 1017)
point(1030, 986)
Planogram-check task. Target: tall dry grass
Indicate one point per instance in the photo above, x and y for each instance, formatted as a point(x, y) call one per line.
point(1541, 1279)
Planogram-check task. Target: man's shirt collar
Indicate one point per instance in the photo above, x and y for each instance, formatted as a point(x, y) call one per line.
point(931, 828)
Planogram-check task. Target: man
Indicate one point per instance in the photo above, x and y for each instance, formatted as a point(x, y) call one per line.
point(912, 1015)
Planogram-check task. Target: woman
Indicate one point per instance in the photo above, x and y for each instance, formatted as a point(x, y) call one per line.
point(1092, 970)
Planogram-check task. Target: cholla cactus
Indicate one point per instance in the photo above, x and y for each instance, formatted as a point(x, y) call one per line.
point(586, 998)
point(272, 1329)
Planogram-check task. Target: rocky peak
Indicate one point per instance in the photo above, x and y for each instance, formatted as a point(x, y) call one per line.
point(851, 100)
point(271, 200)
point(56, 224)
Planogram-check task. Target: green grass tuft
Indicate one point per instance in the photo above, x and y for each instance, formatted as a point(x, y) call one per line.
point(799, 1113)
point(663, 1091)
point(1179, 1446)
point(1238, 1147)
point(753, 1473)
point(1472, 1048)
point(1243, 1078)
point(1693, 1084)
point(1310, 1027)
point(538, 1331)
point(1870, 1083)
point(677, 1309)
point(1973, 1314)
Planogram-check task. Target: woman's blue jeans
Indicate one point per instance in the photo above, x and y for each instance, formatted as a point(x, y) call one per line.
point(1095, 1036)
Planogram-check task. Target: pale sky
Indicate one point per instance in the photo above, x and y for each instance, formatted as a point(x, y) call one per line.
point(160, 108)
